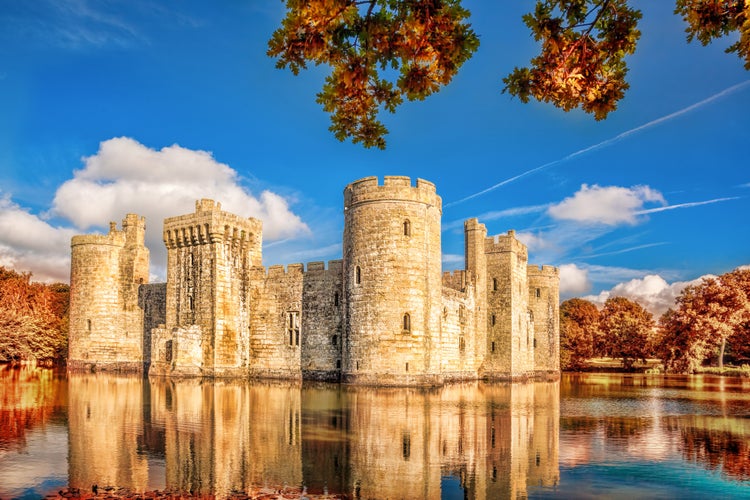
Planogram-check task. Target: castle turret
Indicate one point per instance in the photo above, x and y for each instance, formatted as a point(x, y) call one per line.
point(106, 322)
point(544, 300)
point(392, 281)
point(510, 348)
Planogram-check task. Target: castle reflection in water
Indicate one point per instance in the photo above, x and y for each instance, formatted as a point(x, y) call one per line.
point(215, 437)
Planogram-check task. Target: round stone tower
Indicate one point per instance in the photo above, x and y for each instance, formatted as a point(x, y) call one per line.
point(106, 324)
point(392, 282)
point(544, 306)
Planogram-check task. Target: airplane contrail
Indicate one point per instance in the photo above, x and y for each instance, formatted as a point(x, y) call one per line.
point(609, 142)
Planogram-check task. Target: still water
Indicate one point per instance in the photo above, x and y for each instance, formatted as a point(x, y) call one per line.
point(587, 436)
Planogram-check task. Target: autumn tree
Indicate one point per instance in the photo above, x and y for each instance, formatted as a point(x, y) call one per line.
point(379, 51)
point(582, 62)
point(33, 318)
point(626, 328)
point(705, 319)
point(579, 325)
point(382, 51)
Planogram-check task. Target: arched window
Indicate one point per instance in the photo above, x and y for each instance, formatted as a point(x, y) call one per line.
point(407, 228)
point(358, 276)
point(407, 322)
point(538, 292)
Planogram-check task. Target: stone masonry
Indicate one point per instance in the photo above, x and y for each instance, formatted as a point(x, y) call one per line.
point(386, 314)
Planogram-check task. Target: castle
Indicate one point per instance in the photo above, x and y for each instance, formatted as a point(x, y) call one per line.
point(385, 314)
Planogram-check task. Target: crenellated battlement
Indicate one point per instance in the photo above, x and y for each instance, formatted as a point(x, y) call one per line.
point(394, 188)
point(505, 243)
point(210, 224)
point(455, 279)
point(543, 270)
point(131, 234)
point(297, 269)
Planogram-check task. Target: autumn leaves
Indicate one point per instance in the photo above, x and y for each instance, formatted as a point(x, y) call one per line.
point(384, 51)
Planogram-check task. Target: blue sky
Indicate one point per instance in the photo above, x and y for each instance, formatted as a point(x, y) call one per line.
point(143, 106)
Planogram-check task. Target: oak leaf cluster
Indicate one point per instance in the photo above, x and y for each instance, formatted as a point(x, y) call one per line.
point(384, 51)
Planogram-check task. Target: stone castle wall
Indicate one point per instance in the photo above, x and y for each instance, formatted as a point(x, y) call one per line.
point(322, 320)
point(544, 304)
point(386, 314)
point(276, 297)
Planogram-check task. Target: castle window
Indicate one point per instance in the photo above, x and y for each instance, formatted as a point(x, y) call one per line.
point(292, 327)
point(494, 284)
point(492, 320)
point(335, 340)
point(406, 445)
point(338, 364)
point(88, 325)
point(407, 228)
point(462, 314)
point(407, 322)
point(461, 344)
point(492, 349)
point(534, 343)
point(168, 351)
point(358, 276)
point(538, 292)
point(336, 299)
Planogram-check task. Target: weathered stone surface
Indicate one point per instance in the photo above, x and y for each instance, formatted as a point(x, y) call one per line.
point(384, 315)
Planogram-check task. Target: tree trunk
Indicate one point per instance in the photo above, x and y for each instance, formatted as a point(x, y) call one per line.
point(721, 353)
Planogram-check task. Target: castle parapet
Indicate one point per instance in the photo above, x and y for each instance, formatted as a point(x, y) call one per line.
point(543, 270)
point(394, 187)
point(210, 224)
point(505, 243)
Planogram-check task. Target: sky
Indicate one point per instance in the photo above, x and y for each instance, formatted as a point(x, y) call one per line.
point(115, 107)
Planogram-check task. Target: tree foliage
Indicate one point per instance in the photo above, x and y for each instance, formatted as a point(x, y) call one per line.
point(33, 318)
point(382, 51)
point(579, 326)
point(582, 62)
point(708, 20)
point(379, 51)
point(627, 329)
point(706, 317)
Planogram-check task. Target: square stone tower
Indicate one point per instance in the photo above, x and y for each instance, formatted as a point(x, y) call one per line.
point(209, 255)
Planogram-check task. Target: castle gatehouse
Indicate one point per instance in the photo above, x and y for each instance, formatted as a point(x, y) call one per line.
point(386, 314)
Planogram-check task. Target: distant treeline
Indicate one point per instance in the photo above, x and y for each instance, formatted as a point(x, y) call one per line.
point(33, 319)
point(710, 321)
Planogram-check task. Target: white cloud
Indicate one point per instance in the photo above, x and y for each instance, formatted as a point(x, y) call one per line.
point(28, 243)
point(652, 291)
point(125, 176)
point(608, 205)
point(573, 280)
point(534, 242)
point(452, 259)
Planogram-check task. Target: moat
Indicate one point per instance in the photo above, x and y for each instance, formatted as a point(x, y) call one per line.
point(586, 436)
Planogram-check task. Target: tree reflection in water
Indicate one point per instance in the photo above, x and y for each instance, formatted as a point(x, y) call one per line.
point(29, 398)
point(470, 440)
